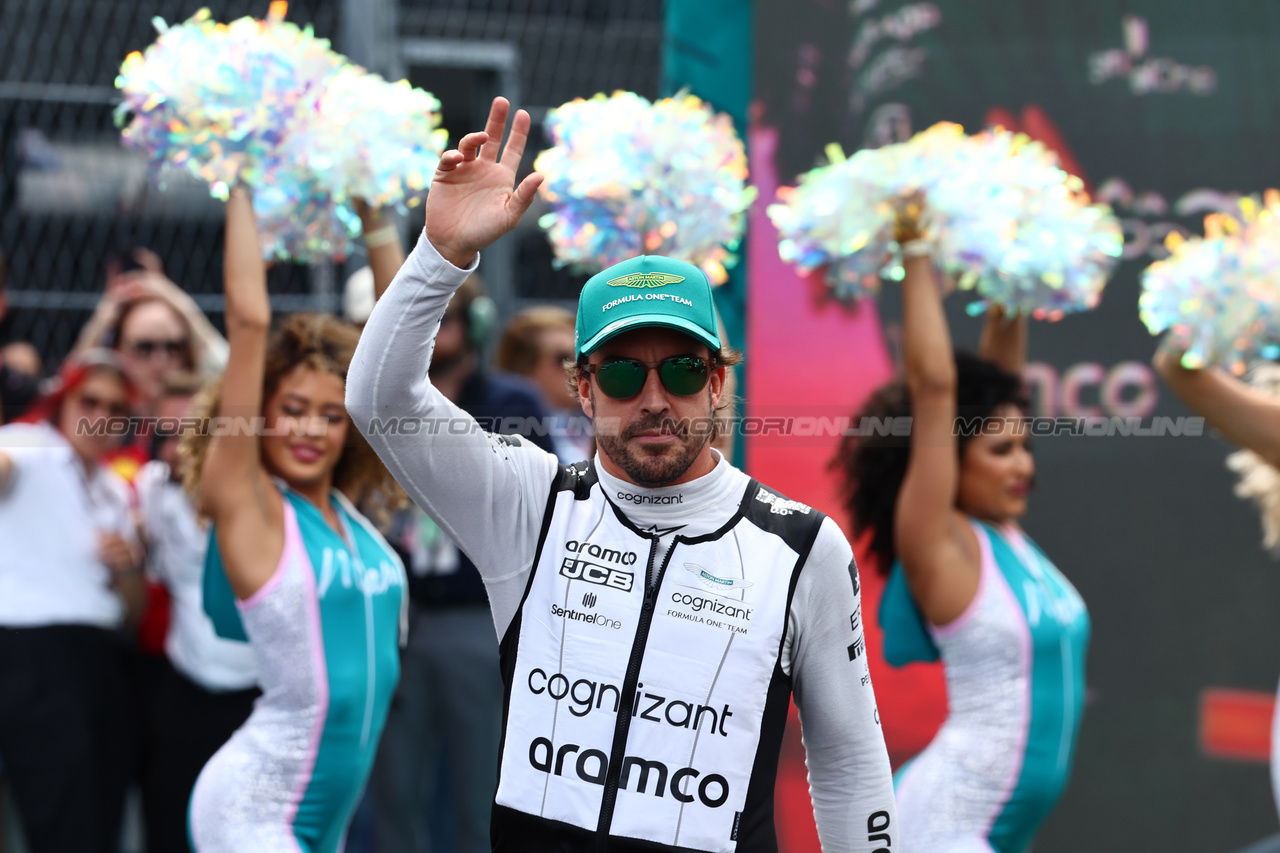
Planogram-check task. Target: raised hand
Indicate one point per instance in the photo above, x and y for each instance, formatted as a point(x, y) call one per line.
point(906, 218)
point(244, 273)
point(473, 198)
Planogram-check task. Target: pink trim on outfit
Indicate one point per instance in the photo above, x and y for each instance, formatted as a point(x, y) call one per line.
point(320, 669)
point(956, 624)
point(1024, 655)
point(292, 545)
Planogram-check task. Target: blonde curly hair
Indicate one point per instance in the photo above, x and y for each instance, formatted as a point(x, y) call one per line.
point(318, 342)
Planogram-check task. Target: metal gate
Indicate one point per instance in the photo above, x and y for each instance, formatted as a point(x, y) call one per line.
point(71, 198)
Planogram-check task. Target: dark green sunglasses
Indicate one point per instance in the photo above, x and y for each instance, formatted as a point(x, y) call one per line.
point(622, 378)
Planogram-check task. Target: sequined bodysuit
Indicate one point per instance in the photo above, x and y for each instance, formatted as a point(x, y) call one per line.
point(1014, 663)
point(325, 629)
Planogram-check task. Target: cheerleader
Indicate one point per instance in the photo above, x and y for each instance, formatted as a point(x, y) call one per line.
point(294, 569)
point(967, 585)
point(1248, 417)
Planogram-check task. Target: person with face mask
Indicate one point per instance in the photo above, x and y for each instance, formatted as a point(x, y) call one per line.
point(966, 584)
point(657, 608)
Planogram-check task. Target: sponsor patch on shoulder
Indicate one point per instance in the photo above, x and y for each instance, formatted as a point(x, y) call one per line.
point(779, 505)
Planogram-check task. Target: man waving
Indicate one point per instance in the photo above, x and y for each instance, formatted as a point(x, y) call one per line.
point(657, 608)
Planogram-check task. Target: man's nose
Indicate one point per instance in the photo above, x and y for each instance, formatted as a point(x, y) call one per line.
point(653, 396)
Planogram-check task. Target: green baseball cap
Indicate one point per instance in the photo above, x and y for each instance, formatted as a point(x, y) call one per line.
point(644, 292)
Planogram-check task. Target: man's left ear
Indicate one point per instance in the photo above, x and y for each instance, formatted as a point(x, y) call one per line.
point(584, 394)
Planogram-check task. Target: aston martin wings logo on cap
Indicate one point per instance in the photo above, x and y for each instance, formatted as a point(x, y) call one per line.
point(645, 279)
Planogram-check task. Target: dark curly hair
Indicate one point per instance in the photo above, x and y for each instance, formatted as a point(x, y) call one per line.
point(873, 466)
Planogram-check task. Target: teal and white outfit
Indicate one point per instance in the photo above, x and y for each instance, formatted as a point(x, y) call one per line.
point(326, 629)
point(1014, 663)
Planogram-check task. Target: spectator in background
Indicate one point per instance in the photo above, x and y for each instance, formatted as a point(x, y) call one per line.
point(206, 687)
point(18, 383)
point(69, 577)
point(536, 344)
point(155, 327)
point(449, 702)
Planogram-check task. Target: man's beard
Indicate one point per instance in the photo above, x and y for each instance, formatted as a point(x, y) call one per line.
point(667, 463)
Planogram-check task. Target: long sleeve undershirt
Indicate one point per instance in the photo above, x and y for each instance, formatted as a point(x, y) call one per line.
point(489, 494)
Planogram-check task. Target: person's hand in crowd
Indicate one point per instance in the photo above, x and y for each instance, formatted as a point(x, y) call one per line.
point(153, 284)
point(150, 282)
point(104, 316)
point(124, 560)
point(117, 554)
point(148, 260)
point(121, 288)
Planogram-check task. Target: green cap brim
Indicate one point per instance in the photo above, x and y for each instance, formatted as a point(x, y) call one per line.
point(640, 321)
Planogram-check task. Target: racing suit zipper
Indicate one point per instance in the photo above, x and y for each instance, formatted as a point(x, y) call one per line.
point(623, 725)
